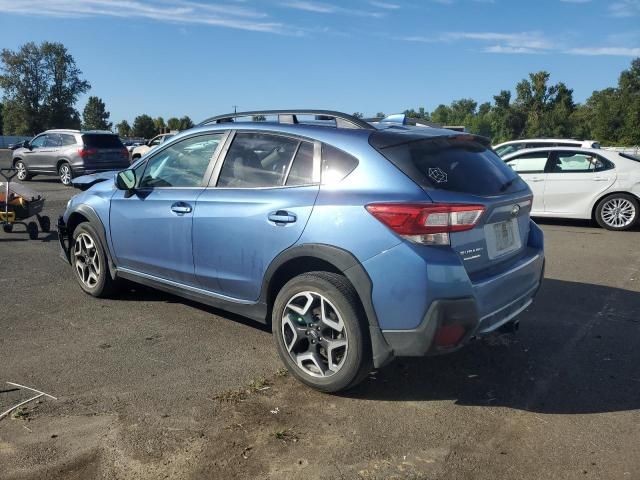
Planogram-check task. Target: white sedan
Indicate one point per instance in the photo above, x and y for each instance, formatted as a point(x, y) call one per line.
point(581, 183)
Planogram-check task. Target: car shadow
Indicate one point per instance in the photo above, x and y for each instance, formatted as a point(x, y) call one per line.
point(569, 222)
point(576, 352)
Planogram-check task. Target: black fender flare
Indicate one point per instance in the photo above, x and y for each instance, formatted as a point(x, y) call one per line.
point(90, 214)
point(351, 267)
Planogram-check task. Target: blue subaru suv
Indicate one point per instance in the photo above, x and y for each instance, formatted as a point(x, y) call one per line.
point(357, 242)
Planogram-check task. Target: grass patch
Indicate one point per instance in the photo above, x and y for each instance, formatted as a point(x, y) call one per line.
point(286, 436)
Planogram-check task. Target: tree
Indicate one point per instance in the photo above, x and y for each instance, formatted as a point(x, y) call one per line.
point(186, 123)
point(173, 123)
point(380, 115)
point(1, 122)
point(441, 115)
point(144, 127)
point(123, 128)
point(421, 113)
point(41, 85)
point(159, 123)
point(358, 115)
point(95, 115)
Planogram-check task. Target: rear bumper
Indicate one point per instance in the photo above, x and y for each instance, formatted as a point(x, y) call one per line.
point(422, 297)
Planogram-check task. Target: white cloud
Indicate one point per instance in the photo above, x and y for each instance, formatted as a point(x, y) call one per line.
point(625, 8)
point(178, 11)
point(606, 51)
point(511, 50)
point(328, 8)
point(525, 42)
point(385, 5)
point(575, 1)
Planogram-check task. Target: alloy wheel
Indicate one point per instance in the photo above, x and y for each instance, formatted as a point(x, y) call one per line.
point(314, 334)
point(87, 260)
point(65, 174)
point(618, 213)
point(22, 171)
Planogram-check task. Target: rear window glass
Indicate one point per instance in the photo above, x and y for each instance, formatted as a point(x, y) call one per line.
point(459, 164)
point(336, 164)
point(102, 141)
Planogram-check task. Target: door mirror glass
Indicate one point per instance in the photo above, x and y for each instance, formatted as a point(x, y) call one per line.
point(126, 180)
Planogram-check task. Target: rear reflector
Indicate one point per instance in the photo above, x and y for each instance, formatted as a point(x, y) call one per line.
point(426, 223)
point(449, 335)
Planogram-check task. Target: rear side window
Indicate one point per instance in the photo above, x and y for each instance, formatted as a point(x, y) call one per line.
point(336, 164)
point(68, 139)
point(257, 160)
point(529, 163)
point(102, 141)
point(459, 164)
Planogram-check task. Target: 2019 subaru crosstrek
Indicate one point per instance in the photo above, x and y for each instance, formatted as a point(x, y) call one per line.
point(70, 153)
point(357, 243)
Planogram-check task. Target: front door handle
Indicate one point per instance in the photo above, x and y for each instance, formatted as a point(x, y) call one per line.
point(600, 179)
point(181, 208)
point(282, 216)
point(537, 179)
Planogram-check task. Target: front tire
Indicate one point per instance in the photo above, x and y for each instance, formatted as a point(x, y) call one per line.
point(65, 173)
point(89, 262)
point(23, 174)
point(619, 211)
point(321, 333)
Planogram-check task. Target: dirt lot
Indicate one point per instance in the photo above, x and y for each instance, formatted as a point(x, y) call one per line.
point(151, 386)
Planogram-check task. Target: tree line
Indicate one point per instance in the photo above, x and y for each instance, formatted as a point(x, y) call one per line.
point(41, 85)
point(541, 109)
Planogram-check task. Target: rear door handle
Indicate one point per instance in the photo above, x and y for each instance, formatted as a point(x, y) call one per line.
point(537, 179)
point(600, 179)
point(181, 208)
point(282, 216)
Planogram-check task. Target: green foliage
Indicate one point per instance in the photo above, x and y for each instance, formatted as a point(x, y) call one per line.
point(185, 123)
point(173, 123)
point(123, 128)
point(159, 123)
point(1, 122)
point(144, 127)
point(41, 84)
point(95, 115)
point(358, 115)
point(542, 109)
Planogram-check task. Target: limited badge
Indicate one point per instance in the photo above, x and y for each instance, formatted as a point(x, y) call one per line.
point(437, 175)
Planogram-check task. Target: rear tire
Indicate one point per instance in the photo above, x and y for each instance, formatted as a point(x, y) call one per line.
point(619, 211)
point(23, 174)
point(89, 262)
point(65, 173)
point(320, 332)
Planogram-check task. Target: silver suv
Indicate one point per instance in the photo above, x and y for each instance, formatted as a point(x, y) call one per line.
point(69, 153)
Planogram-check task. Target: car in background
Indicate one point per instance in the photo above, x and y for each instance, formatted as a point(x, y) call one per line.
point(356, 243)
point(141, 151)
point(69, 153)
point(581, 183)
point(507, 148)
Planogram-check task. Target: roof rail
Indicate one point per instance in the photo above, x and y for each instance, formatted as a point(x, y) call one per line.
point(343, 120)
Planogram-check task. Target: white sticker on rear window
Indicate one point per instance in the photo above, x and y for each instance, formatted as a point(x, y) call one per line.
point(437, 175)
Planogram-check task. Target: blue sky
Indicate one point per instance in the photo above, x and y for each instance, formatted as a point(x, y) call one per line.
point(178, 57)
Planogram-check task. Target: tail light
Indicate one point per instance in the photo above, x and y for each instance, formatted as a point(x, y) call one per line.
point(427, 223)
point(125, 153)
point(84, 151)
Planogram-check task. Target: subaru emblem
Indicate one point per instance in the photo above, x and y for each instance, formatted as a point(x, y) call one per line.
point(515, 210)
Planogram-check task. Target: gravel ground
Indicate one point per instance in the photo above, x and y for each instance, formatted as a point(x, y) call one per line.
point(152, 386)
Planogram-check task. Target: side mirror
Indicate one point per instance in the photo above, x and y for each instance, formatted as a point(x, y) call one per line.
point(26, 144)
point(126, 180)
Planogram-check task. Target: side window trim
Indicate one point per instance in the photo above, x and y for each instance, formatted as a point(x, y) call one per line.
point(159, 150)
point(219, 161)
point(555, 155)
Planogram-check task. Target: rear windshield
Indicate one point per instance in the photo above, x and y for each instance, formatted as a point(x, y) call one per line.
point(459, 164)
point(102, 141)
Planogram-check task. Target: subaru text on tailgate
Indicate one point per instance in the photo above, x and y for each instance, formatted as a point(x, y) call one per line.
point(357, 243)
